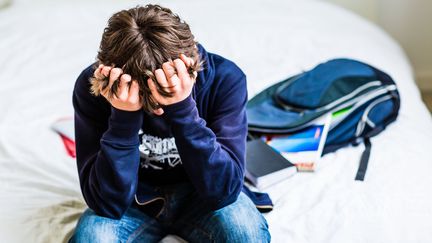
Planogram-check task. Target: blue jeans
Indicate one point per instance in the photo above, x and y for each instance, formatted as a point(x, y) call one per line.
point(182, 215)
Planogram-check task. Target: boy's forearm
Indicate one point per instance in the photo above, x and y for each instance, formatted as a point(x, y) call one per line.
point(215, 165)
point(107, 153)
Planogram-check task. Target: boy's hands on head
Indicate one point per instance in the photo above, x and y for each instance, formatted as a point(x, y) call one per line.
point(127, 95)
point(175, 79)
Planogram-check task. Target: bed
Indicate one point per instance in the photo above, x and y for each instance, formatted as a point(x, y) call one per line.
point(45, 44)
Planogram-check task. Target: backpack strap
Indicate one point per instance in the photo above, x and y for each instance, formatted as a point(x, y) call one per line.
point(364, 160)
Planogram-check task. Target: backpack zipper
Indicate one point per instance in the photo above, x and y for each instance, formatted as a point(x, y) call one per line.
point(365, 118)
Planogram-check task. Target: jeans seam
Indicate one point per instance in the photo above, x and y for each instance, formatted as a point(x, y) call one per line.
point(139, 230)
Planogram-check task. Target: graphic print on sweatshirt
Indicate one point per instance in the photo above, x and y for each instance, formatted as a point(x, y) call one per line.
point(158, 153)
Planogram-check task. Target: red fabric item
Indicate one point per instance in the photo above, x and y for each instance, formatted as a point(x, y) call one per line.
point(69, 145)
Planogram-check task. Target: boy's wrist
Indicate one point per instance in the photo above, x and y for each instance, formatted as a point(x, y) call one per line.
point(126, 123)
point(181, 108)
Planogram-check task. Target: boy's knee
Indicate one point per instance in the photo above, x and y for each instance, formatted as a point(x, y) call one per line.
point(94, 228)
point(246, 231)
point(241, 222)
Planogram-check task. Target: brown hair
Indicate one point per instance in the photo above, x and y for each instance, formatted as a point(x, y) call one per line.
point(139, 40)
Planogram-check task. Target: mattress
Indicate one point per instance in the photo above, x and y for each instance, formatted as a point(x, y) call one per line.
point(45, 44)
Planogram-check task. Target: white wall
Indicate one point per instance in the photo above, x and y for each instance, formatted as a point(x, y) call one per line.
point(409, 22)
point(365, 8)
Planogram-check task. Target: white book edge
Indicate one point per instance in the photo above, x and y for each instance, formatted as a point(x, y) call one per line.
point(324, 136)
point(268, 180)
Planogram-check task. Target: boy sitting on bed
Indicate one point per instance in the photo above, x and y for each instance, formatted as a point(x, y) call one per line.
point(160, 129)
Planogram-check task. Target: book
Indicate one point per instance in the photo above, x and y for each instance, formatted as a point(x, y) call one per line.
point(302, 148)
point(265, 166)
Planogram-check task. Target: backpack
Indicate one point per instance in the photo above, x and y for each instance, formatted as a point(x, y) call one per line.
point(370, 96)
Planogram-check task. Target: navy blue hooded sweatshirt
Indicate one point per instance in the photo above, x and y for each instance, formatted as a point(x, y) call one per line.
point(122, 155)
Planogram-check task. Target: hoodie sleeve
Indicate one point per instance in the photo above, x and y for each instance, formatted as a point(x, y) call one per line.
point(107, 150)
point(213, 150)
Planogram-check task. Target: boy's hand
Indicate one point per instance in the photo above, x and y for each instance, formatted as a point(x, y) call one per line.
point(127, 96)
point(174, 78)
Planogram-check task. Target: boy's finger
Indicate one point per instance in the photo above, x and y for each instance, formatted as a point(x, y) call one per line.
point(134, 92)
point(158, 98)
point(123, 86)
point(170, 71)
point(168, 67)
point(106, 71)
point(161, 78)
point(98, 72)
point(187, 60)
point(114, 75)
point(124, 80)
point(182, 72)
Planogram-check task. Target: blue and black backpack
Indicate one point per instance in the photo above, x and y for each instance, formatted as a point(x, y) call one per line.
point(369, 95)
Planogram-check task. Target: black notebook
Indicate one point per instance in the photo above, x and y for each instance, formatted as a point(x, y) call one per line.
point(265, 166)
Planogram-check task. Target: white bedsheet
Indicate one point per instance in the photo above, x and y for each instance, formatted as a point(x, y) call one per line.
point(45, 44)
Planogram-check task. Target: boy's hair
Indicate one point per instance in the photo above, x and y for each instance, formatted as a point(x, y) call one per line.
point(139, 40)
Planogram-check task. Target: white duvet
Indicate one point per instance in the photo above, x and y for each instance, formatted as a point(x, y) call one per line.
point(45, 44)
